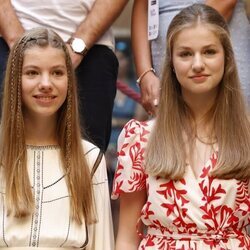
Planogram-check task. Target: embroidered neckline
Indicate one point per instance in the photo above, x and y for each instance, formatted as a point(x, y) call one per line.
point(42, 147)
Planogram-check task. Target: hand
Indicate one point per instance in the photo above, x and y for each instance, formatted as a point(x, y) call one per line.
point(150, 92)
point(75, 58)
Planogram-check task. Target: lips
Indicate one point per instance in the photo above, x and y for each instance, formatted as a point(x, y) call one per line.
point(44, 99)
point(199, 78)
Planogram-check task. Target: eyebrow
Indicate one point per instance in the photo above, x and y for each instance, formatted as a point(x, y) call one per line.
point(204, 47)
point(30, 66)
point(60, 66)
point(36, 67)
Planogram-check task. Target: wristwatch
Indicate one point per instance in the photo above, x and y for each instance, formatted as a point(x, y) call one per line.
point(78, 45)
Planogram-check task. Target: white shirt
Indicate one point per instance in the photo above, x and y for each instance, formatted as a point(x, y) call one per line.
point(50, 225)
point(63, 16)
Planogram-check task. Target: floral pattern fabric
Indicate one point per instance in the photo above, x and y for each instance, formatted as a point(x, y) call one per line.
point(201, 212)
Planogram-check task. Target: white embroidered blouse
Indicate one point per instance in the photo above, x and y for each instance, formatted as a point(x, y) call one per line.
point(50, 225)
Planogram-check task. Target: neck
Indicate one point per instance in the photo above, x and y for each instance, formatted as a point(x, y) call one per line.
point(200, 104)
point(40, 132)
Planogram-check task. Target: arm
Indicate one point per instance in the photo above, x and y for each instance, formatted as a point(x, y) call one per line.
point(100, 18)
point(101, 234)
point(150, 84)
point(130, 209)
point(224, 7)
point(10, 26)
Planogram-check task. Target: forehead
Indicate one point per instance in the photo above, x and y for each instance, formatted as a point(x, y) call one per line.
point(199, 35)
point(40, 54)
point(37, 48)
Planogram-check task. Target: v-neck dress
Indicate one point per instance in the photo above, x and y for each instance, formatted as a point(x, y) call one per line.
point(50, 226)
point(193, 213)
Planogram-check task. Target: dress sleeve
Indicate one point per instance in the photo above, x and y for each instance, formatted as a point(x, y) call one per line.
point(130, 173)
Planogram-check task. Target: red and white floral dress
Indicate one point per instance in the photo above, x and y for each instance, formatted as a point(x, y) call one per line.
point(193, 213)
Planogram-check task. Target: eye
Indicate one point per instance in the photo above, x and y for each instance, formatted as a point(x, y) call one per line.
point(185, 54)
point(58, 72)
point(210, 52)
point(31, 72)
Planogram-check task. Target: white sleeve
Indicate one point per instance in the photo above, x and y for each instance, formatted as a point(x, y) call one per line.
point(101, 235)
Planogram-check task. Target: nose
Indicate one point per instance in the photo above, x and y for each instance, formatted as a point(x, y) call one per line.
point(45, 83)
point(198, 63)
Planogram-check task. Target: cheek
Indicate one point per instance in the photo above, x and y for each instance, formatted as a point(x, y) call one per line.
point(181, 67)
point(181, 70)
point(219, 68)
point(28, 84)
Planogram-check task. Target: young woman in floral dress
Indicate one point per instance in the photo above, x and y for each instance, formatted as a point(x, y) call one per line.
point(183, 177)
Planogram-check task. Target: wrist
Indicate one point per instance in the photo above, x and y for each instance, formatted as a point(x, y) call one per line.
point(78, 46)
point(143, 74)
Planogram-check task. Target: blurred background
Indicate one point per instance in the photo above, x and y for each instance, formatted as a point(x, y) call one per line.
point(122, 25)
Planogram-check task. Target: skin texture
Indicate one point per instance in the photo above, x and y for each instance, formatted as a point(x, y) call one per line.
point(127, 237)
point(150, 84)
point(198, 60)
point(44, 90)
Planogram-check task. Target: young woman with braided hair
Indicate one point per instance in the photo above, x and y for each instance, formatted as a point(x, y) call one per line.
point(53, 189)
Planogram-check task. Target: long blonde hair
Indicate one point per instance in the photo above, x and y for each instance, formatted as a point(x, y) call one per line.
point(166, 154)
point(13, 153)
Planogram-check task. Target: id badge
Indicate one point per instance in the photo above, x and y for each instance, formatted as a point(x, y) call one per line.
point(153, 19)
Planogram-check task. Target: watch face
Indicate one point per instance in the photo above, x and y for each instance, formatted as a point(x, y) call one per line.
point(78, 45)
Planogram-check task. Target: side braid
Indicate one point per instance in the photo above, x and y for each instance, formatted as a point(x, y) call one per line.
point(68, 114)
point(16, 93)
point(13, 83)
point(15, 153)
